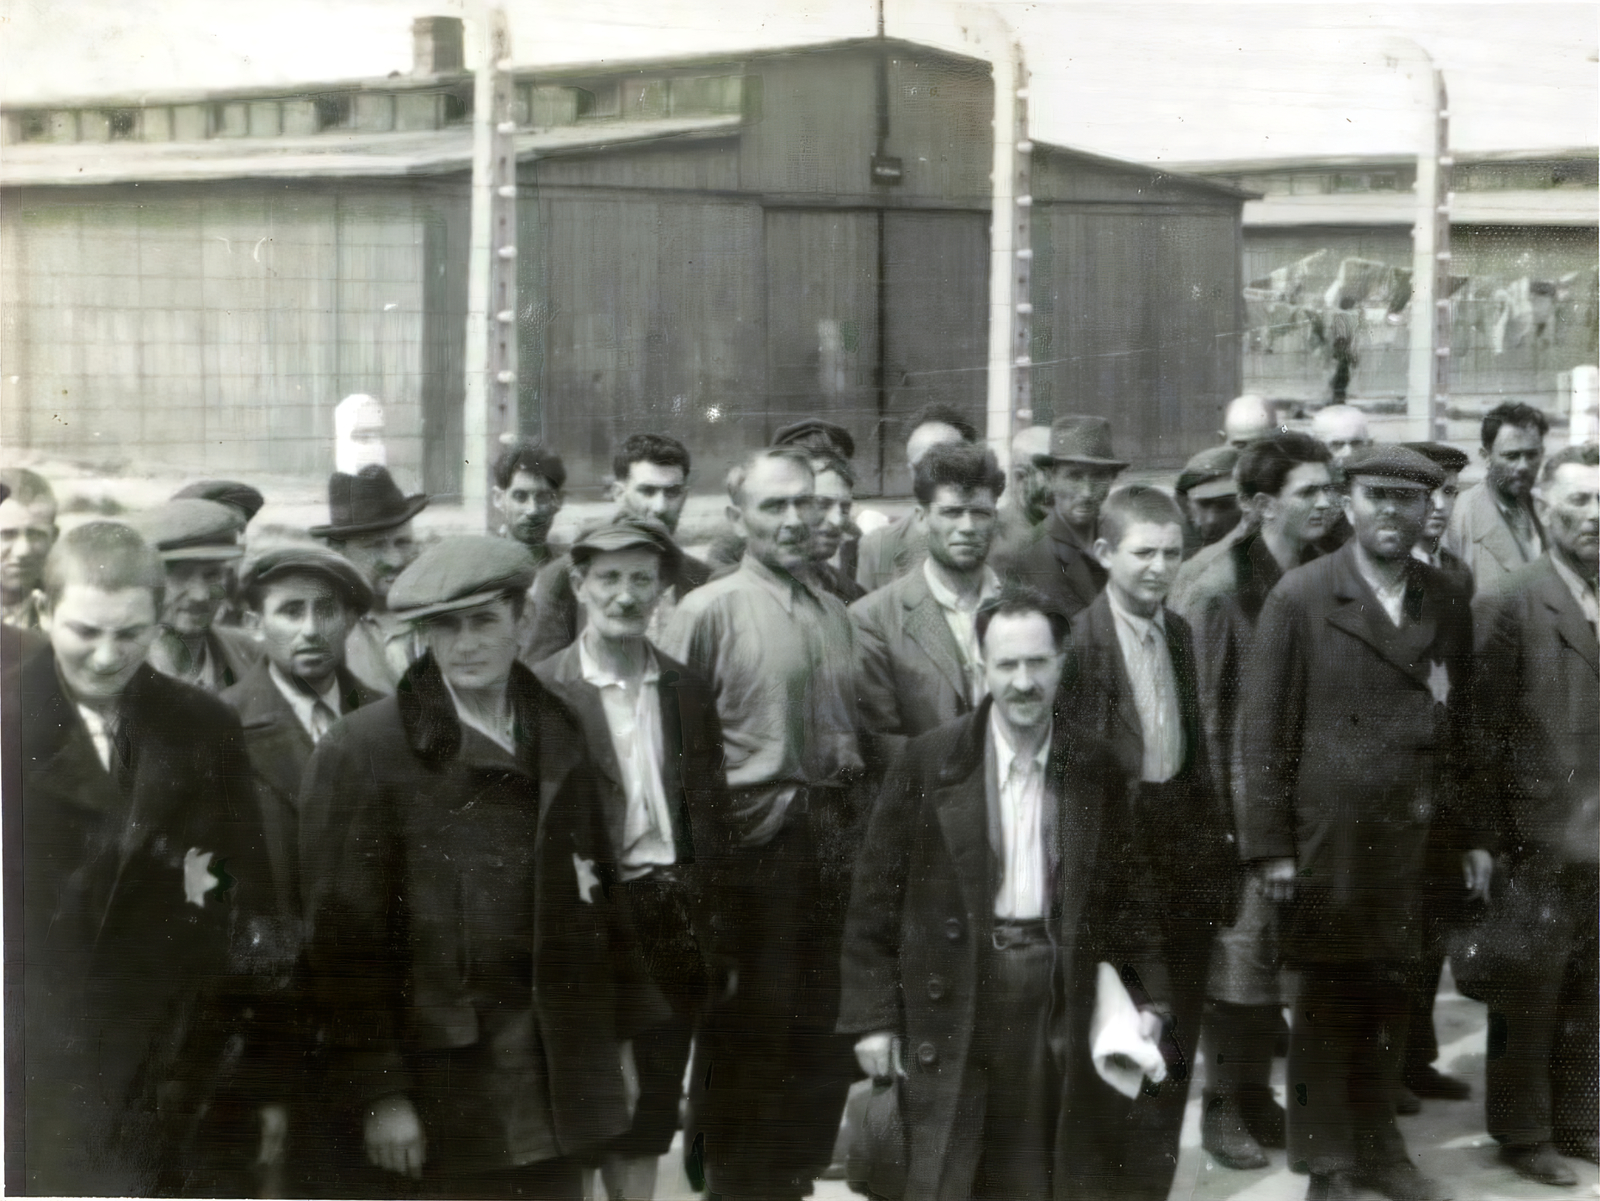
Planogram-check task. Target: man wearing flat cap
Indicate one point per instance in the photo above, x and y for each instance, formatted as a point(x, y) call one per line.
point(1209, 497)
point(474, 974)
point(198, 541)
point(1057, 557)
point(236, 495)
point(652, 731)
point(1358, 749)
point(369, 523)
point(1430, 546)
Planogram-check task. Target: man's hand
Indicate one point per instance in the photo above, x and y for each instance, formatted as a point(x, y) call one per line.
point(1477, 868)
point(1277, 878)
point(875, 1054)
point(394, 1136)
point(274, 1134)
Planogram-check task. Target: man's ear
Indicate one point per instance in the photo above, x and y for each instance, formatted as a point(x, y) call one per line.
point(736, 520)
point(1102, 551)
point(250, 620)
point(614, 488)
point(575, 576)
point(497, 496)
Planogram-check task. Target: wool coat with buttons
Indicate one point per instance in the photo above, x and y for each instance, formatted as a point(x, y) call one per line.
point(458, 896)
point(921, 920)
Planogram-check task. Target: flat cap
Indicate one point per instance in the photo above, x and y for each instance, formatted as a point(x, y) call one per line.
point(1394, 462)
point(812, 430)
point(1209, 474)
point(263, 564)
point(191, 528)
point(1446, 456)
point(225, 492)
point(626, 533)
point(460, 573)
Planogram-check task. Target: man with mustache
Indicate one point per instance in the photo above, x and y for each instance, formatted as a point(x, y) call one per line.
point(198, 541)
point(370, 524)
point(1287, 491)
point(1210, 500)
point(1131, 684)
point(652, 732)
point(27, 532)
point(1495, 529)
point(920, 663)
point(779, 653)
point(1056, 557)
point(134, 872)
point(1536, 640)
point(1358, 750)
point(998, 870)
point(528, 478)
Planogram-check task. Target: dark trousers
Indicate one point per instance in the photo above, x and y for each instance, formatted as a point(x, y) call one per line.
point(1543, 1041)
point(1003, 1136)
point(1442, 902)
point(770, 1075)
point(547, 1180)
point(1345, 1046)
point(661, 906)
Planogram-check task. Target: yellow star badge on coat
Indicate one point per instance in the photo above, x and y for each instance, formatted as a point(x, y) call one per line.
point(1439, 683)
point(587, 880)
point(197, 877)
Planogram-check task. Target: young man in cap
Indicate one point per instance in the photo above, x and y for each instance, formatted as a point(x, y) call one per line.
point(1286, 486)
point(1441, 506)
point(1358, 748)
point(240, 496)
point(650, 479)
point(997, 871)
point(1130, 684)
point(474, 975)
point(920, 664)
point(528, 479)
point(1209, 497)
point(836, 485)
point(890, 552)
point(1537, 650)
point(369, 523)
point(134, 873)
point(1495, 529)
point(770, 1075)
point(652, 731)
point(27, 532)
point(1057, 557)
point(198, 541)
point(824, 440)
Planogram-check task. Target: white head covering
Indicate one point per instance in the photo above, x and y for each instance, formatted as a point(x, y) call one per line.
point(358, 434)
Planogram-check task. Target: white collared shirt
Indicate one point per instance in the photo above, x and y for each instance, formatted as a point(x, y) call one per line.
point(1155, 689)
point(1581, 591)
point(505, 737)
point(1391, 597)
point(100, 732)
point(1431, 558)
point(304, 701)
point(1021, 896)
point(633, 715)
point(960, 615)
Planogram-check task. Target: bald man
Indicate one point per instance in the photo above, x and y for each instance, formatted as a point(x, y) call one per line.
point(1246, 419)
point(1028, 497)
point(1342, 429)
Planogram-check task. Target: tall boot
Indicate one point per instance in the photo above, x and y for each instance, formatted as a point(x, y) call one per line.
point(1262, 1113)
point(1224, 1133)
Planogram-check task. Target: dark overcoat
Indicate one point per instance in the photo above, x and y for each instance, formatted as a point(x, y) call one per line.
point(455, 892)
point(1541, 675)
point(1189, 837)
point(1357, 743)
point(911, 678)
point(1052, 558)
point(922, 910)
point(122, 969)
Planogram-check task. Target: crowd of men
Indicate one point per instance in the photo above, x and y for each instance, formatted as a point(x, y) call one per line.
point(340, 862)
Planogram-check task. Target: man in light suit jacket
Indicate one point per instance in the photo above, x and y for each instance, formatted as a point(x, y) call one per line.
point(1131, 684)
point(998, 870)
point(652, 731)
point(1494, 529)
point(1537, 649)
point(920, 664)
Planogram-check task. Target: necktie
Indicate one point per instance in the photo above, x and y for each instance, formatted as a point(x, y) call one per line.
point(322, 719)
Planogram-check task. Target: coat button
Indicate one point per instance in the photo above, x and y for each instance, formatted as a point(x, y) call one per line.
point(952, 929)
point(935, 988)
point(927, 1055)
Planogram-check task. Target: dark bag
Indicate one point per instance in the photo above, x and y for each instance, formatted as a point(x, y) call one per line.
point(876, 1166)
point(1502, 942)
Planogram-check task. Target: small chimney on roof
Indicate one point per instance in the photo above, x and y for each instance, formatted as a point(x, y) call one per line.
point(436, 45)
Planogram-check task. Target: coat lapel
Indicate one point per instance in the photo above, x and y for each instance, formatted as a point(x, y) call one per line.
point(1073, 559)
point(1571, 625)
point(1361, 616)
point(925, 625)
point(962, 803)
point(1103, 635)
point(278, 744)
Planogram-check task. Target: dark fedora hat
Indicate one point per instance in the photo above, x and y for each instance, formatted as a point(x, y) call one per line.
point(1077, 438)
point(366, 503)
